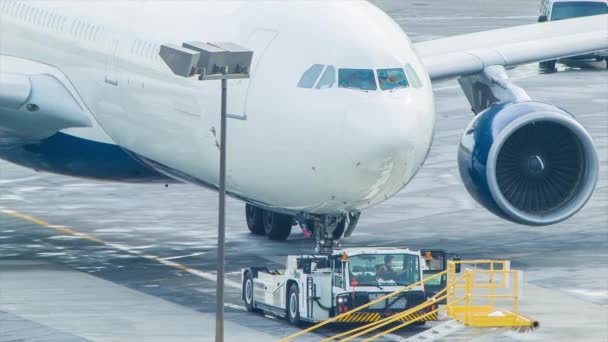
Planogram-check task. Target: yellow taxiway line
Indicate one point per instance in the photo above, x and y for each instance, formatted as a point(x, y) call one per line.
point(120, 247)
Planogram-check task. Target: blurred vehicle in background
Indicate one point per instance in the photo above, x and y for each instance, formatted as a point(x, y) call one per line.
point(551, 10)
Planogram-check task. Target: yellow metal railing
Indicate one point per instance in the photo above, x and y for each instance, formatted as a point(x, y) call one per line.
point(362, 307)
point(465, 301)
point(368, 328)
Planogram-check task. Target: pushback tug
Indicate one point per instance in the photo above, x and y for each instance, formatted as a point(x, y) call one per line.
point(314, 288)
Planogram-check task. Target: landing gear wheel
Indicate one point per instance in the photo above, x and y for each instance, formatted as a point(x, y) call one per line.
point(548, 65)
point(293, 309)
point(255, 221)
point(277, 226)
point(248, 293)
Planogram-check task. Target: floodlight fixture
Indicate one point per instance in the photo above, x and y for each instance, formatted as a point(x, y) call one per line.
point(210, 61)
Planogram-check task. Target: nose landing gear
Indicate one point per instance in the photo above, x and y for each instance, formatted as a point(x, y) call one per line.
point(326, 230)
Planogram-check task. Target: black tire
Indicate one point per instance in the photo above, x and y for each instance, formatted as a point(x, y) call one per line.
point(277, 226)
point(254, 218)
point(248, 290)
point(419, 323)
point(293, 305)
point(548, 65)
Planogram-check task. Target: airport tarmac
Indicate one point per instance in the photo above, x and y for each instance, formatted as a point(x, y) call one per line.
point(88, 261)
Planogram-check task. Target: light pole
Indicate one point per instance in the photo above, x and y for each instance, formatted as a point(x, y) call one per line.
point(213, 61)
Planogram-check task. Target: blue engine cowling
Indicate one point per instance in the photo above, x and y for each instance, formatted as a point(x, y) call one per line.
point(528, 162)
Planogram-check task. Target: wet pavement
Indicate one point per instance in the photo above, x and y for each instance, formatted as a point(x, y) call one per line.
point(137, 235)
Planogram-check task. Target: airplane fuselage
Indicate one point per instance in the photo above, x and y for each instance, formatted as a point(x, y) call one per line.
point(313, 149)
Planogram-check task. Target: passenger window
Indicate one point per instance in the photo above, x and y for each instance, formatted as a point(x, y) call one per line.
point(357, 79)
point(328, 79)
point(392, 79)
point(413, 76)
point(310, 77)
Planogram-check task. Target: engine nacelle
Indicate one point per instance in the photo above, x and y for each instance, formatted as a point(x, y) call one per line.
point(528, 162)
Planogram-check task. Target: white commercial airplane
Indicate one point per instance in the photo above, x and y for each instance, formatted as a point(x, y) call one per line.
point(337, 117)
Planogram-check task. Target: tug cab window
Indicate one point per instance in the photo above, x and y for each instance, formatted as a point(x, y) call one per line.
point(391, 79)
point(338, 275)
point(309, 79)
point(362, 79)
point(385, 269)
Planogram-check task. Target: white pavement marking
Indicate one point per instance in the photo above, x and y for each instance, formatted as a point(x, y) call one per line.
point(234, 306)
point(185, 256)
point(393, 337)
point(441, 331)
point(589, 293)
point(18, 180)
point(201, 274)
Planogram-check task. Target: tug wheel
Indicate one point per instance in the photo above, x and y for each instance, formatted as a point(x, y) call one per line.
point(293, 309)
point(248, 290)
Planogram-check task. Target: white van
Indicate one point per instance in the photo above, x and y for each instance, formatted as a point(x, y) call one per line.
point(565, 9)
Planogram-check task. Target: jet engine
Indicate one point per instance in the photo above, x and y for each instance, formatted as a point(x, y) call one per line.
point(528, 162)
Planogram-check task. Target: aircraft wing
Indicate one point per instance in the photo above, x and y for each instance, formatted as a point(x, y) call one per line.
point(470, 54)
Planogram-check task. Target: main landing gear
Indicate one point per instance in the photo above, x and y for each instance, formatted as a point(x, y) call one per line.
point(265, 222)
point(326, 230)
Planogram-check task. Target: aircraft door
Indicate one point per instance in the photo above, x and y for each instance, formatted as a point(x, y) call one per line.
point(112, 112)
point(110, 104)
point(111, 75)
point(258, 41)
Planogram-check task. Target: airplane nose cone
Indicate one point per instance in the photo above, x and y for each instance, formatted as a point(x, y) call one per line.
point(387, 143)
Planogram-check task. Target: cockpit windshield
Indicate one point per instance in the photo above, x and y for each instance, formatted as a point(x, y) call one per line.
point(392, 79)
point(310, 76)
point(574, 9)
point(384, 269)
point(323, 77)
point(363, 79)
